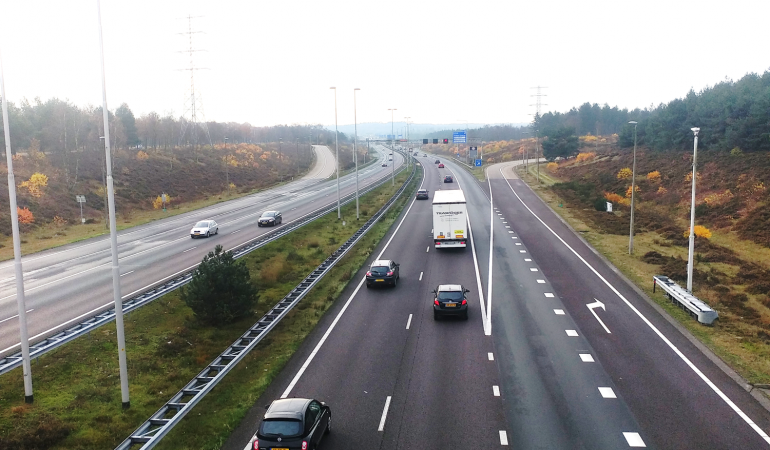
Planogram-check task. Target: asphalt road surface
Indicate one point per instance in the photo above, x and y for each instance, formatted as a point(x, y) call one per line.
point(70, 283)
point(559, 351)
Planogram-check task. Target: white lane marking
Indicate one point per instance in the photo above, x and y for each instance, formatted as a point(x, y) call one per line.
point(518, 243)
point(598, 304)
point(409, 321)
point(633, 439)
point(235, 231)
point(558, 312)
point(427, 249)
point(571, 333)
point(549, 295)
point(293, 209)
point(524, 251)
point(525, 259)
point(607, 392)
point(532, 269)
point(496, 391)
point(339, 315)
point(514, 237)
point(384, 414)
point(13, 317)
point(586, 357)
point(510, 231)
point(491, 356)
point(484, 322)
point(124, 274)
point(491, 250)
point(503, 437)
point(420, 277)
point(189, 249)
point(670, 344)
point(507, 226)
point(541, 281)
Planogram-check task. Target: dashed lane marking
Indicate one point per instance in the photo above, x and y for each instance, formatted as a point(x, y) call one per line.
point(586, 357)
point(503, 437)
point(189, 249)
point(124, 274)
point(558, 312)
point(549, 295)
point(384, 414)
point(633, 439)
point(491, 356)
point(571, 333)
point(541, 281)
point(409, 321)
point(420, 276)
point(607, 392)
point(532, 269)
point(496, 391)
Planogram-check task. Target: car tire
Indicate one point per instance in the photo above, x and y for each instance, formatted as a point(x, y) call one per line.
point(208, 234)
point(217, 232)
point(465, 316)
point(395, 282)
point(435, 315)
point(328, 426)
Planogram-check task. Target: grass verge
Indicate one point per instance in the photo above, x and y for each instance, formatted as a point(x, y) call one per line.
point(77, 393)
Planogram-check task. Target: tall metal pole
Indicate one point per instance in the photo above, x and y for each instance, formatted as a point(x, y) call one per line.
point(408, 156)
point(633, 197)
point(113, 231)
point(24, 338)
point(392, 148)
point(337, 147)
point(355, 142)
point(227, 168)
point(692, 210)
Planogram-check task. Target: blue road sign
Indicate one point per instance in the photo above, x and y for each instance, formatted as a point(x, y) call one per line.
point(459, 137)
point(458, 155)
point(478, 163)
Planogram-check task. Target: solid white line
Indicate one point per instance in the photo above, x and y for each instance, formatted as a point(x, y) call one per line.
point(496, 391)
point(503, 437)
point(189, 249)
point(123, 275)
point(634, 440)
point(484, 320)
point(384, 414)
point(409, 321)
point(491, 250)
point(670, 344)
point(13, 317)
point(420, 277)
point(491, 356)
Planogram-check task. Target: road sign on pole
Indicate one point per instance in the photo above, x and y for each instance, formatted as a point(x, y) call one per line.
point(459, 137)
point(81, 199)
point(478, 163)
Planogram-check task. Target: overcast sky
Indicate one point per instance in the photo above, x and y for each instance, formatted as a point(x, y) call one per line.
point(272, 62)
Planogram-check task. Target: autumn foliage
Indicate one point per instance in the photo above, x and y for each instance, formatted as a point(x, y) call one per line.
point(624, 173)
point(35, 184)
point(25, 215)
point(552, 166)
point(142, 155)
point(158, 202)
point(699, 231)
point(613, 197)
point(653, 176)
point(585, 156)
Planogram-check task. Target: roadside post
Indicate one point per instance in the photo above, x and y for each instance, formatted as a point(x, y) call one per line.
point(163, 198)
point(81, 199)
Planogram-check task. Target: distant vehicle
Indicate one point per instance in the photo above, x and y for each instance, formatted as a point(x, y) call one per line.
point(384, 164)
point(293, 423)
point(441, 166)
point(270, 218)
point(424, 155)
point(204, 228)
point(422, 194)
point(383, 271)
point(437, 162)
point(449, 219)
point(448, 179)
point(390, 159)
point(449, 300)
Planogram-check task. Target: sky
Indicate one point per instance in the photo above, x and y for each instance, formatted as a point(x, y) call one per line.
point(273, 62)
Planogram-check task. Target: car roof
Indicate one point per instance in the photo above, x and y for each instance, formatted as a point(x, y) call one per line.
point(269, 212)
point(422, 190)
point(381, 262)
point(449, 287)
point(287, 408)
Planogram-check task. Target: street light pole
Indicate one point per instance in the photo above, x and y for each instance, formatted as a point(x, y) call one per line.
point(355, 142)
point(24, 338)
point(633, 196)
point(692, 210)
point(407, 142)
point(113, 233)
point(227, 164)
point(337, 154)
point(392, 148)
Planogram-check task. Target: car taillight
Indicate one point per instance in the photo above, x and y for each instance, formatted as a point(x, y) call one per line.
point(465, 302)
point(462, 242)
point(256, 444)
point(438, 243)
point(435, 302)
point(304, 445)
point(390, 274)
point(368, 274)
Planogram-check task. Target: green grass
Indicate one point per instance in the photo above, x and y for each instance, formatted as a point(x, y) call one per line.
point(77, 393)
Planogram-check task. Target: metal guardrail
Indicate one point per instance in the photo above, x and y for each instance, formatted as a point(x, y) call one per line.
point(149, 434)
point(163, 287)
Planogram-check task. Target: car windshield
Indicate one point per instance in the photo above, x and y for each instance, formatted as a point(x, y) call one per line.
point(280, 427)
point(450, 295)
point(422, 191)
point(268, 214)
point(202, 225)
point(380, 270)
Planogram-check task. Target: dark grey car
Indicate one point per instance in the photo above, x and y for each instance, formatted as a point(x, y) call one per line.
point(449, 300)
point(293, 424)
point(270, 218)
point(383, 272)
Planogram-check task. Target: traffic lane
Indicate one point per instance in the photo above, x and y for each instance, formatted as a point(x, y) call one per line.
point(673, 405)
point(446, 398)
point(355, 370)
point(553, 386)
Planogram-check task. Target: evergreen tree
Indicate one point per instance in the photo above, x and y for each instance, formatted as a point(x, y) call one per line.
point(560, 142)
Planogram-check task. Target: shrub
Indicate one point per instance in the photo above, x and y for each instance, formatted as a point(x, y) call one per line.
point(585, 156)
point(628, 191)
point(158, 202)
point(736, 151)
point(35, 184)
point(25, 215)
point(220, 291)
point(142, 155)
point(552, 166)
point(700, 231)
point(613, 197)
point(624, 173)
point(653, 176)
point(662, 190)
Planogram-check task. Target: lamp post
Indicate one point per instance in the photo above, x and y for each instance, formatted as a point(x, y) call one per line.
point(19, 273)
point(337, 154)
point(227, 168)
point(633, 196)
point(692, 210)
point(392, 148)
point(355, 142)
point(407, 142)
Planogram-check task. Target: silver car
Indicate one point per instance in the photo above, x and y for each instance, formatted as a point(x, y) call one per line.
point(204, 228)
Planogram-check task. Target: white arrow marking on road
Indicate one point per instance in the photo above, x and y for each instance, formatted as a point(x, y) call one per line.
point(598, 304)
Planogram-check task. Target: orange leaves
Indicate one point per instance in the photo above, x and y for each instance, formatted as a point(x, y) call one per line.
point(35, 184)
point(699, 231)
point(613, 197)
point(552, 166)
point(25, 215)
point(585, 156)
point(628, 191)
point(662, 190)
point(624, 173)
point(141, 155)
point(717, 198)
point(158, 202)
point(653, 176)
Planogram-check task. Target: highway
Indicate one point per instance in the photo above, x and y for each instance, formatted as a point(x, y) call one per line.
point(67, 284)
point(572, 357)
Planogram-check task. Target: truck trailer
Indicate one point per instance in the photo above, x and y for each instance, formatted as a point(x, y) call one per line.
point(450, 221)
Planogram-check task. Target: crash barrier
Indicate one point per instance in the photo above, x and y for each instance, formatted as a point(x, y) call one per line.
point(685, 300)
point(149, 434)
point(167, 285)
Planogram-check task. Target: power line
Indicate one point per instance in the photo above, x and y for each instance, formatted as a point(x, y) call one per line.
point(193, 103)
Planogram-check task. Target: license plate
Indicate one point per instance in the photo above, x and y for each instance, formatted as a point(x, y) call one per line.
point(450, 305)
point(379, 279)
point(275, 448)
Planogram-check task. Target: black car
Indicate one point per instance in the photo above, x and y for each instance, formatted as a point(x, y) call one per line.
point(270, 218)
point(293, 424)
point(448, 179)
point(422, 194)
point(382, 271)
point(449, 300)
point(437, 162)
point(384, 164)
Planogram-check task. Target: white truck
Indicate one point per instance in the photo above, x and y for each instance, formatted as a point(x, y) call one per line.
point(450, 221)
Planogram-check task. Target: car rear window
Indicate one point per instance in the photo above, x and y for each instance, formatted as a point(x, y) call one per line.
point(450, 295)
point(380, 270)
point(280, 427)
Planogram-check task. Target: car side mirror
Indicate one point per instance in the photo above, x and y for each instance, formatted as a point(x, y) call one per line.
point(467, 290)
point(323, 403)
point(433, 291)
